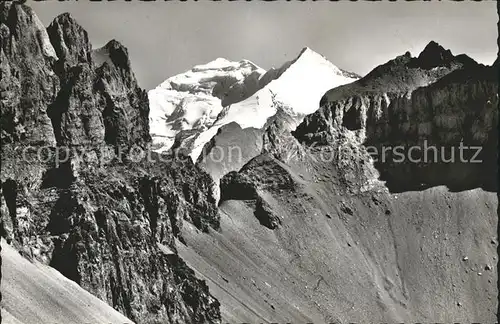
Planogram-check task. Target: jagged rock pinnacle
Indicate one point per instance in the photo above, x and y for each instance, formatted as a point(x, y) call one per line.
point(434, 55)
point(70, 40)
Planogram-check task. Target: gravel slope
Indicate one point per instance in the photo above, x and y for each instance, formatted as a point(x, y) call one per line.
point(36, 293)
point(372, 256)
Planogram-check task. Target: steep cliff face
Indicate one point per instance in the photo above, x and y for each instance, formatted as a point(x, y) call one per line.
point(436, 102)
point(105, 221)
point(111, 226)
point(52, 90)
point(70, 40)
point(107, 228)
point(28, 84)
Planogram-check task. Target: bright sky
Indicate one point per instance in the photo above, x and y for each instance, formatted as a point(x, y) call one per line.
point(167, 38)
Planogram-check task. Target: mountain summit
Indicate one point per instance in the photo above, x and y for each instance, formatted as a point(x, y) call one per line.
point(228, 105)
point(298, 85)
point(434, 55)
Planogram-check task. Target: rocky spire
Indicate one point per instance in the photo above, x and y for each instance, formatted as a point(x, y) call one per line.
point(434, 55)
point(70, 40)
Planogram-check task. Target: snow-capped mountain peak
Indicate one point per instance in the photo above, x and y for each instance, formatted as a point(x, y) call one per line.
point(297, 85)
point(309, 55)
point(193, 99)
point(217, 75)
point(221, 91)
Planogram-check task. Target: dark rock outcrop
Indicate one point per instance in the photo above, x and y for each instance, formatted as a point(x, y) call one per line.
point(260, 177)
point(265, 215)
point(126, 104)
point(262, 173)
point(67, 198)
point(102, 232)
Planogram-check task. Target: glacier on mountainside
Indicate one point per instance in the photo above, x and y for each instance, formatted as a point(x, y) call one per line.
point(221, 92)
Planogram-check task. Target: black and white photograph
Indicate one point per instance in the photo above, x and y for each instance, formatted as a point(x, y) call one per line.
point(249, 162)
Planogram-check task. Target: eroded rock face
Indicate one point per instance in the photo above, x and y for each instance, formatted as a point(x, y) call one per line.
point(126, 104)
point(450, 101)
point(264, 213)
point(68, 201)
point(261, 173)
point(112, 229)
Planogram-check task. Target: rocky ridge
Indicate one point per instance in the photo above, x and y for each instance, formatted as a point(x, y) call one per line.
point(84, 205)
point(436, 99)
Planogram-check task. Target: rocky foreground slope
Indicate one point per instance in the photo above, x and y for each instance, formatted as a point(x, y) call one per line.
point(73, 197)
point(316, 230)
point(47, 296)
